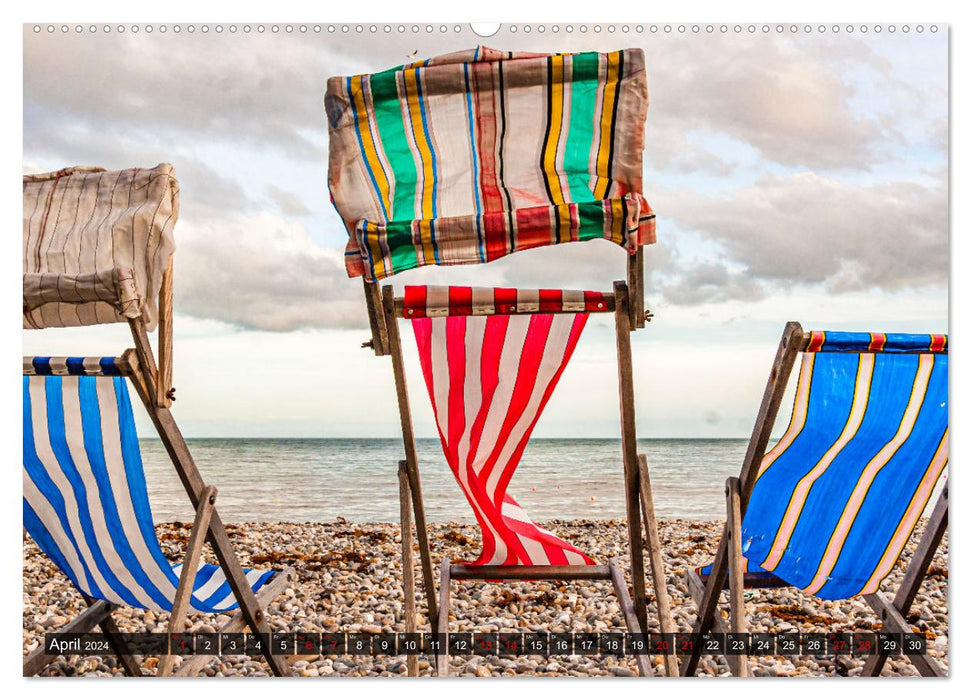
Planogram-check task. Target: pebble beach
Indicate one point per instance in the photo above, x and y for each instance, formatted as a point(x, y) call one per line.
point(349, 579)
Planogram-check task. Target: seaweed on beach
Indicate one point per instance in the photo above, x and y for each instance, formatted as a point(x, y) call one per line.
point(311, 562)
point(372, 536)
point(794, 613)
point(456, 537)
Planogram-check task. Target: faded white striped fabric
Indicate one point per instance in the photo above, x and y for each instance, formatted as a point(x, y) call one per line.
point(96, 244)
point(85, 500)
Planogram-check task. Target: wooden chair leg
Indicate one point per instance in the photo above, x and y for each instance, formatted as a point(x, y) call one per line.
point(185, 466)
point(393, 348)
point(644, 665)
point(441, 659)
point(36, 661)
point(407, 561)
point(696, 589)
point(658, 578)
point(424, 546)
point(237, 623)
point(129, 663)
point(736, 574)
point(193, 553)
point(789, 348)
point(628, 435)
point(893, 613)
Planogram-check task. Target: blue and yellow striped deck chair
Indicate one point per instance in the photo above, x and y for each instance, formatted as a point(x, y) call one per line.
point(831, 506)
point(85, 500)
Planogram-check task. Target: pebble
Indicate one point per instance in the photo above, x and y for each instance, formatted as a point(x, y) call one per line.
point(349, 578)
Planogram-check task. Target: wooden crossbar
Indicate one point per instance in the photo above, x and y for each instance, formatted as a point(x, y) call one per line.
point(462, 572)
point(610, 305)
point(91, 369)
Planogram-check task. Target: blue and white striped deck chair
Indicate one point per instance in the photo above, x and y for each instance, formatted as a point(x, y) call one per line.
point(85, 499)
point(832, 505)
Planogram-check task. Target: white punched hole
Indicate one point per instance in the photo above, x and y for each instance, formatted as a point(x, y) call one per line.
point(485, 29)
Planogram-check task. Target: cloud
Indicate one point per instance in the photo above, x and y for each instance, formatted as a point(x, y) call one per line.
point(241, 117)
point(780, 97)
point(202, 186)
point(808, 229)
point(264, 90)
point(289, 203)
point(263, 272)
point(203, 88)
point(668, 148)
point(707, 282)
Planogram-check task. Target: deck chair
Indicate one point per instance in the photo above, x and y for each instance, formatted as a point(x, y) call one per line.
point(831, 506)
point(98, 249)
point(464, 159)
point(491, 359)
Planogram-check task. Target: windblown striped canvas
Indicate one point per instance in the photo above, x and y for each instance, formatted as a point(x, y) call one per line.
point(471, 156)
point(839, 495)
point(489, 378)
point(96, 244)
point(85, 498)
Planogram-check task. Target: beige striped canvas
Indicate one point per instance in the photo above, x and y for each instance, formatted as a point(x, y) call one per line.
point(96, 244)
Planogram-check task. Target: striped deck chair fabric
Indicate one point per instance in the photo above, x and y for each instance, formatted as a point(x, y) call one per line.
point(489, 374)
point(85, 497)
point(96, 244)
point(839, 495)
point(471, 156)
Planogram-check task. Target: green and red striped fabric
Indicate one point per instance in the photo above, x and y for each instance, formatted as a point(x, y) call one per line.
point(468, 157)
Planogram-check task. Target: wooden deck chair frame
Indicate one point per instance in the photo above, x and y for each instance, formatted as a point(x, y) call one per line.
point(727, 562)
point(385, 310)
point(153, 384)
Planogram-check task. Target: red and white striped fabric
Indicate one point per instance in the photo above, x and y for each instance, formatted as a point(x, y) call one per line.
point(486, 301)
point(489, 378)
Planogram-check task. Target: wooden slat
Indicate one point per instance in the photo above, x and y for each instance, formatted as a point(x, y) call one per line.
point(658, 578)
point(463, 572)
point(376, 318)
point(146, 360)
point(129, 663)
point(628, 433)
point(441, 659)
point(185, 467)
point(407, 561)
point(736, 585)
point(696, 588)
point(635, 286)
point(785, 357)
point(923, 555)
point(754, 579)
point(411, 454)
point(122, 363)
point(894, 621)
point(164, 393)
point(193, 552)
point(37, 660)
point(914, 576)
point(273, 588)
point(616, 574)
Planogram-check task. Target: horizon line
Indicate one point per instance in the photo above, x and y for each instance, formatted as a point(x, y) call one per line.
point(424, 437)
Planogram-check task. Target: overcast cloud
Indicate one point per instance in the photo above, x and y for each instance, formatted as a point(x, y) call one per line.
point(771, 161)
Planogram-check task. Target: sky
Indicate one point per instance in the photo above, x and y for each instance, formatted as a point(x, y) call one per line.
point(795, 176)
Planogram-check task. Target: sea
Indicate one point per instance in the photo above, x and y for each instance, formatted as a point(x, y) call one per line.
point(321, 480)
